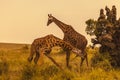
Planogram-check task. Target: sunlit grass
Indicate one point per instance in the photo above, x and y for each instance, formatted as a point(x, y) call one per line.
point(14, 66)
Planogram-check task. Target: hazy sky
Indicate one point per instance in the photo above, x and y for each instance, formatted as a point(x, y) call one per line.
point(21, 21)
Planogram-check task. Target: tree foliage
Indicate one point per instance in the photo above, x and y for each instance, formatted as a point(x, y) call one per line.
point(106, 30)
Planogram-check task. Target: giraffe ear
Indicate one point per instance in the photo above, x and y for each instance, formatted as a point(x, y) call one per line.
point(48, 15)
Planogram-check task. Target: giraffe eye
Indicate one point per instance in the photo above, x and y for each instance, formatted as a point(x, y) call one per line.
point(50, 18)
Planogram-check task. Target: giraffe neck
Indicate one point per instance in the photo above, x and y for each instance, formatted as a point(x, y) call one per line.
point(60, 24)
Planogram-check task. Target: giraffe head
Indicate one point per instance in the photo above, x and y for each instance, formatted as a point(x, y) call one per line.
point(50, 19)
point(77, 52)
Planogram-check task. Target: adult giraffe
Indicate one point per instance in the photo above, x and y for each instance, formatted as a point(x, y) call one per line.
point(70, 35)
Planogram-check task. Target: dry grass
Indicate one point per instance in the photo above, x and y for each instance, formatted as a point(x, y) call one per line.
point(14, 66)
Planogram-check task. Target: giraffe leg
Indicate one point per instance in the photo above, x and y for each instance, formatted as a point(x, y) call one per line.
point(86, 58)
point(41, 50)
point(67, 58)
point(83, 58)
point(53, 61)
point(46, 52)
point(30, 58)
point(36, 57)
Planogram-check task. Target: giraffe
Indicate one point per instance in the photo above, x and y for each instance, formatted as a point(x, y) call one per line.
point(45, 44)
point(71, 36)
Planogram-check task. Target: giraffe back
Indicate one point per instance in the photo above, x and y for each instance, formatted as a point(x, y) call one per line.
point(49, 41)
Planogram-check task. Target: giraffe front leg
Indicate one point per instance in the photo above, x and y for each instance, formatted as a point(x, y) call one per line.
point(53, 61)
point(46, 53)
point(38, 53)
point(67, 58)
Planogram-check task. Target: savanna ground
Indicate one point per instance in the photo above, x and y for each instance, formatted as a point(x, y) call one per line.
point(14, 65)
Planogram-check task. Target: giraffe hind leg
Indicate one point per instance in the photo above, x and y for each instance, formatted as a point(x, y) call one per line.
point(86, 59)
point(83, 58)
point(36, 57)
point(30, 58)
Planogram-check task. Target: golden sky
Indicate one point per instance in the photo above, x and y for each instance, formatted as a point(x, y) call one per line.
point(21, 21)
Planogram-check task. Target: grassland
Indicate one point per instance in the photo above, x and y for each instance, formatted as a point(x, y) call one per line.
point(14, 65)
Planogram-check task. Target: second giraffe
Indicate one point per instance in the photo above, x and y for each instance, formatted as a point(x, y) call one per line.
point(44, 45)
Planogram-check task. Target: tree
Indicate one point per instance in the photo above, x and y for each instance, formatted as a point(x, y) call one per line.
point(106, 30)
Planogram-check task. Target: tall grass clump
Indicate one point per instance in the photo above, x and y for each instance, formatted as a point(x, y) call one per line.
point(37, 72)
point(45, 72)
point(48, 71)
point(100, 74)
point(4, 67)
point(64, 75)
point(51, 72)
point(101, 61)
point(28, 72)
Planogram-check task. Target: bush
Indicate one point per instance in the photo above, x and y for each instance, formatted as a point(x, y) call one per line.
point(101, 61)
